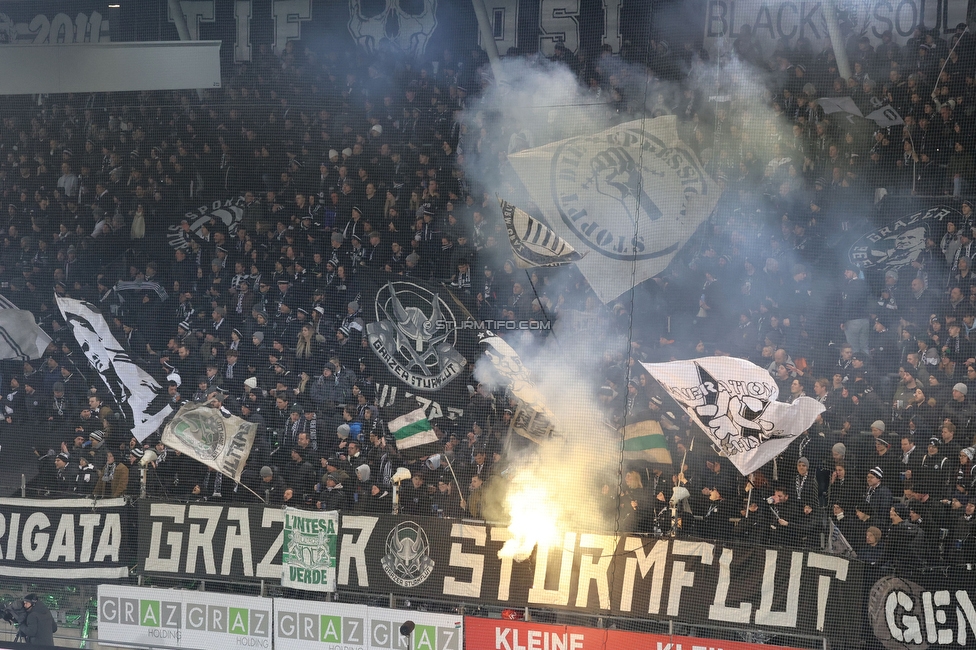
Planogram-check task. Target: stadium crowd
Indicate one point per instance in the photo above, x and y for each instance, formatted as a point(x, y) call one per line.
point(351, 165)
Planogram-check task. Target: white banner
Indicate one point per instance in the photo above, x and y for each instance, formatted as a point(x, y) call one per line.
point(308, 554)
point(631, 196)
point(734, 403)
point(533, 419)
point(215, 437)
point(311, 625)
point(131, 386)
point(171, 618)
point(771, 20)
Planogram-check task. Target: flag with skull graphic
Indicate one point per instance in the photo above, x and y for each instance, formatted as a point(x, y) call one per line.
point(419, 339)
point(734, 403)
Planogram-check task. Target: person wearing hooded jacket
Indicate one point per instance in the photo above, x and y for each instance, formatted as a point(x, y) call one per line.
point(299, 473)
point(39, 626)
point(905, 544)
point(446, 501)
point(333, 496)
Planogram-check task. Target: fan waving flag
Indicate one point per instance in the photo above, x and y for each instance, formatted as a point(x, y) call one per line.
point(533, 242)
point(630, 197)
point(734, 402)
point(532, 418)
point(142, 399)
point(414, 435)
point(215, 437)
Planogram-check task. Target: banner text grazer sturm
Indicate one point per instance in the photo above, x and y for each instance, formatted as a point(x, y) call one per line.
point(689, 581)
point(237, 543)
point(69, 539)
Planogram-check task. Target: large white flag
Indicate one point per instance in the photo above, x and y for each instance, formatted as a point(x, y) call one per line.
point(734, 402)
point(532, 420)
point(215, 437)
point(20, 337)
point(139, 395)
point(632, 195)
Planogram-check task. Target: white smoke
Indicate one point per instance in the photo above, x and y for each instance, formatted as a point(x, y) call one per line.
point(571, 482)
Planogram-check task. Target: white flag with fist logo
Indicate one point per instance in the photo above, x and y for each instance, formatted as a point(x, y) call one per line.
point(734, 403)
point(633, 195)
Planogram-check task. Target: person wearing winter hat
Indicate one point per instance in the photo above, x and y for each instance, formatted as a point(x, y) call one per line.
point(966, 474)
point(871, 550)
point(332, 495)
point(877, 495)
point(861, 448)
point(930, 477)
point(63, 479)
point(838, 451)
point(38, 626)
point(271, 487)
point(958, 410)
point(889, 462)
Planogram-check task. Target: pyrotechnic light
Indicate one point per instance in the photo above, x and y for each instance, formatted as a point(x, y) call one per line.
point(534, 518)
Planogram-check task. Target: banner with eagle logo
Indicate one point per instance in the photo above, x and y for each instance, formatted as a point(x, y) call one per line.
point(734, 403)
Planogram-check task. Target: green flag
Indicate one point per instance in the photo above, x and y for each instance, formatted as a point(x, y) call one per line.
point(645, 441)
point(414, 435)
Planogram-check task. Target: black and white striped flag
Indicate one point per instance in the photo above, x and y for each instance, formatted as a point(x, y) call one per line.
point(533, 242)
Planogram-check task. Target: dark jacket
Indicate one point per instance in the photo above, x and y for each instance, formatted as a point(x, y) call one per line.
point(39, 626)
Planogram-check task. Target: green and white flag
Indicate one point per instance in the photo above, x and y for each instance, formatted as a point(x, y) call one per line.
point(308, 555)
point(414, 435)
point(214, 437)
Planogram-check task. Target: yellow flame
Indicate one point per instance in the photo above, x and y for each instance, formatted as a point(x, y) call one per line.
point(534, 518)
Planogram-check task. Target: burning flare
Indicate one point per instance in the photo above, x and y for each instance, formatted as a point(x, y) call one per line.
point(534, 517)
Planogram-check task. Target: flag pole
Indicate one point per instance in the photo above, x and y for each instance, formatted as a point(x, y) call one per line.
point(541, 306)
point(450, 466)
point(946, 62)
point(262, 499)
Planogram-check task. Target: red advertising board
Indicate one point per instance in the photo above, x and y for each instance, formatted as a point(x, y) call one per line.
point(495, 634)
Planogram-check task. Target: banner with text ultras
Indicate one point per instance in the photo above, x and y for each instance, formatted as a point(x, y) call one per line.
point(310, 625)
point(689, 581)
point(170, 618)
point(238, 543)
point(66, 539)
point(772, 20)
